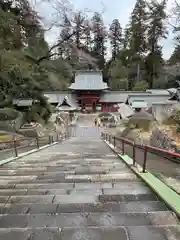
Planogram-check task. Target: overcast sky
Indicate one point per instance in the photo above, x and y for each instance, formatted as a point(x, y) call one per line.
point(112, 9)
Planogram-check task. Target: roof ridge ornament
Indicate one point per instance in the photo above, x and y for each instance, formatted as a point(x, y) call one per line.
point(175, 92)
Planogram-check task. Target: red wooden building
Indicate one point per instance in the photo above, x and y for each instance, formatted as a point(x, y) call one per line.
point(88, 87)
point(89, 92)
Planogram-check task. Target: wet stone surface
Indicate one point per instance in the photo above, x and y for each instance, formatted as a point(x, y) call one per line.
point(79, 190)
point(103, 233)
point(95, 234)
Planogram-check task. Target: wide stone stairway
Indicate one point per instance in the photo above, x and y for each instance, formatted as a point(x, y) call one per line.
point(79, 190)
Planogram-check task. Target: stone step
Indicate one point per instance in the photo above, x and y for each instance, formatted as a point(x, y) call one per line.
point(45, 186)
point(61, 181)
point(127, 194)
point(5, 184)
point(12, 192)
point(63, 196)
point(41, 189)
point(135, 184)
point(125, 176)
point(54, 208)
point(72, 161)
point(78, 163)
point(115, 177)
point(54, 167)
point(86, 194)
point(65, 168)
point(76, 198)
point(71, 199)
point(91, 233)
point(108, 219)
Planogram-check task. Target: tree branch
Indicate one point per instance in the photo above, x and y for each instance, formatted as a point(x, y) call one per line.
point(178, 5)
point(49, 54)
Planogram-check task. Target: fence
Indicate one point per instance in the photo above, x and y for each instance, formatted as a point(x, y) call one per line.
point(16, 147)
point(150, 158)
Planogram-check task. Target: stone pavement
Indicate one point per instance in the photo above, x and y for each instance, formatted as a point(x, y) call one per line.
point(79, 190)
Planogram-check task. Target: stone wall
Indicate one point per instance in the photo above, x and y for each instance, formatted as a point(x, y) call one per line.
point(133, 135)
point(160, 139)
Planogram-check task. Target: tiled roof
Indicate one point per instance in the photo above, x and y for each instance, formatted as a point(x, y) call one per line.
point(149, 99)
point(172, 91)
point(167, 102)
point(125, 110)
point(58, 97)
point(89, 80)
point(66, 108)
point(114, 97)
point(118, 96)
point(139, 104)
point(23, 102)
point(52, 97)
point(67, 102)
point(158, 91)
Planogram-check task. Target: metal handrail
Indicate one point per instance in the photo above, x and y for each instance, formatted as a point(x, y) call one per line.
point(145, 148)
point(53, 137)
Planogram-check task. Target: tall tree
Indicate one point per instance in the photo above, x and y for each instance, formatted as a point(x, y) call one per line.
point(30, 22)
point(66, 36)
point(138, 22)
point(156, 31)
point(135, 42)
point(175, 57)
point(87, 36)
point(10, 25)
point(78, 26)
point(99, 39)
point(118, 75)
point(115, 36)
point(19, 76)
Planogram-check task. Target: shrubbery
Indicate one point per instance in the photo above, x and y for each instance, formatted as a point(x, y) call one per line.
point(176, 118)
point(141, 120)
point(38, 113)
point(8, 114)
point(140, 86)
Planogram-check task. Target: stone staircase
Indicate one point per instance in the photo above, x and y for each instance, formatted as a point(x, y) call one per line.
point(79, 190)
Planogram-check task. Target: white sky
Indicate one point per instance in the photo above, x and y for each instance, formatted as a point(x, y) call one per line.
point(111, 9)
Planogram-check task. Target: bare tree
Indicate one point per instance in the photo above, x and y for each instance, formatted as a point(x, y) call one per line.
point(174, 16)
point(63, 9)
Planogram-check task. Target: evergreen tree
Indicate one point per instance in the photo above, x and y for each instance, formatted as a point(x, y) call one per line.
point(175, 56)
point(125, 53)
point(138, 24)
point(127, 36)
point(156, 31)
point(115, 36)
point(99, 39)
point(135, 42)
